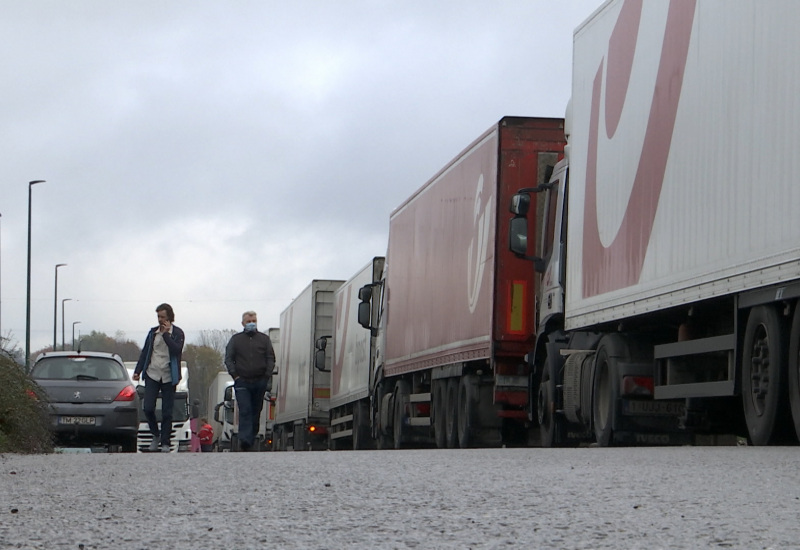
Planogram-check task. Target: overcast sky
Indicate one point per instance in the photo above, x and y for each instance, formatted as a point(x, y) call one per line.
point(220, 155)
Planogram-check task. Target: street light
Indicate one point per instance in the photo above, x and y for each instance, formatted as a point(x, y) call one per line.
point(55, 309)
point(1, 292)
point(28, 297)
point(73, 333)
point(62, 322)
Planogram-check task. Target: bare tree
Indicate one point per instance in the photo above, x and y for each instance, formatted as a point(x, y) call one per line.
point(216, 339)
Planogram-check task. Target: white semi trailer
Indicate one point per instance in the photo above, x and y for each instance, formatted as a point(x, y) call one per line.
point(668, 240)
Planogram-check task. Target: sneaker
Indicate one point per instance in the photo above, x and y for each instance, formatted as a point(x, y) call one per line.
point(153, 448)
point(165, 448)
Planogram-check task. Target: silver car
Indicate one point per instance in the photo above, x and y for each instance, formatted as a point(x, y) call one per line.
point(93, 402)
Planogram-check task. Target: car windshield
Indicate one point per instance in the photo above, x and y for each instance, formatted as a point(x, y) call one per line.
point(78, 368)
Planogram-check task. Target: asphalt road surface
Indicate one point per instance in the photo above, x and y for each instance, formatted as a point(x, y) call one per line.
point(686, 497)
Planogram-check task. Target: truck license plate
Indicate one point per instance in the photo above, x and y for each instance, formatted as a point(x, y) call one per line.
point(81, 420)
point(653, 408)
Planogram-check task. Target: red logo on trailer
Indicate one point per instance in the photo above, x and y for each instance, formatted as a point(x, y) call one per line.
point(607, 268)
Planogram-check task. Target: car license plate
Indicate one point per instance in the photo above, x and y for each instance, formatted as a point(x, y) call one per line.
point(653, 408)
point(81, 420)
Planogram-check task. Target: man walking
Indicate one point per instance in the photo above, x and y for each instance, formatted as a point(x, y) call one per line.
point(160, 363)
point(250, 359)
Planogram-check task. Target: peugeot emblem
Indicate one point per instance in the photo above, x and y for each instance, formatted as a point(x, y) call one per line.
point(77, 395)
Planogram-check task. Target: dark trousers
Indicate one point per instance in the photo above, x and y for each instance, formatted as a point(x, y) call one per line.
point(250, 399)
point(151, 391)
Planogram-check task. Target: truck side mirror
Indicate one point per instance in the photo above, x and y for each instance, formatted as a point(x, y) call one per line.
point(228, 396)
point(319, 356)
point(518, 242)
point(520, 204)
point(365, 293)
point(319, 360)
point(364, 317)
point(518, 236)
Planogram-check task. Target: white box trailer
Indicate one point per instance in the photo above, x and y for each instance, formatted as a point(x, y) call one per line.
point(302, 401)
point(352, 373)
point(671, 267)
point(666, 214)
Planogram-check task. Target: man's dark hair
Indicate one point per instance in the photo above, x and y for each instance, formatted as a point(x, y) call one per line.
point(168, 309)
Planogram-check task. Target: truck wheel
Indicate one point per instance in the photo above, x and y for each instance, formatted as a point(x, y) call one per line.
point(468, 395)
point(361, 439)
point(440, 413)
point(764, 376)
point(546, 408)
point(451, 413)
point(299, 439)
point(605, 390)
point(384, 438)
point(283, 439)
point(794, 370)
point(399, 427)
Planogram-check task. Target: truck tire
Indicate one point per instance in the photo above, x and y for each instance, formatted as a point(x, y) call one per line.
point(764, 377)
point(551, 425)
point(440, 413)
point(399, 425)
point(794, 370)
point(468, 396)
point(283, 438)
point(299, 439)
point(605, 389)
point(451, 413)
point(361, 438)
point(383, 437)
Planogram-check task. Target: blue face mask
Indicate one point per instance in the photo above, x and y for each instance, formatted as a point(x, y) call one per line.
point(250, 327)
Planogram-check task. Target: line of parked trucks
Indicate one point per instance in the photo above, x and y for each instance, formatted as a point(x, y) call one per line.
point(627, 275)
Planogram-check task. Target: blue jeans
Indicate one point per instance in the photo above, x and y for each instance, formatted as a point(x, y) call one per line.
point(151, 390)
point(250, 399)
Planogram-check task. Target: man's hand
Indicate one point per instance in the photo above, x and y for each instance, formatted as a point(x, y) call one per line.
point(136, 377)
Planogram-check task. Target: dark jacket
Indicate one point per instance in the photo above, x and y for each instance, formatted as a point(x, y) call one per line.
point(174, 343)
point(249, 355)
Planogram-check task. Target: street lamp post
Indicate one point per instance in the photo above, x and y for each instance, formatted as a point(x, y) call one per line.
point(73, 333)
point(28, 297)
point(1, 292)
point(62, 322)
point(55, 309)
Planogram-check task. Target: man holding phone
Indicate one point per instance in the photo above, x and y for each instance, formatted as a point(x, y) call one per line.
point(160, 363)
